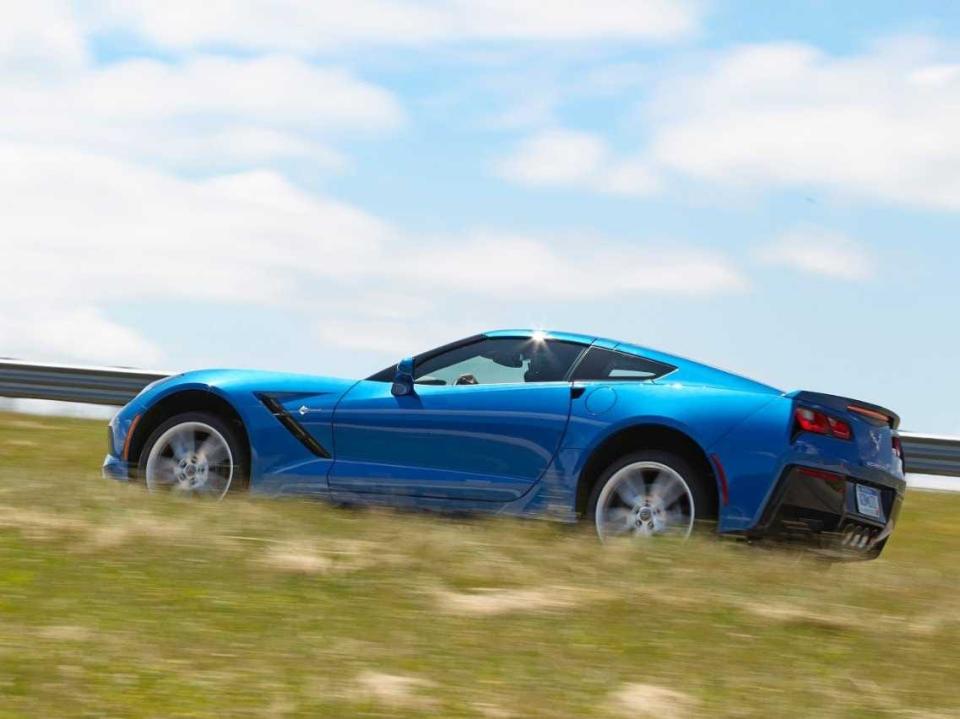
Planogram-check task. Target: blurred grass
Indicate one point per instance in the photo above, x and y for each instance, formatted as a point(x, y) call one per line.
point(116, 603)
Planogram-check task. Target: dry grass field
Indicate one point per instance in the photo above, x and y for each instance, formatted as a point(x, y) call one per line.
point(117, 603)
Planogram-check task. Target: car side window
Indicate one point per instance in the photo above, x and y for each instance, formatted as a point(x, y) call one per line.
point(604, 364)
point(499, 360)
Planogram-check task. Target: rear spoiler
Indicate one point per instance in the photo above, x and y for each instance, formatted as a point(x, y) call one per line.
point(872, 412)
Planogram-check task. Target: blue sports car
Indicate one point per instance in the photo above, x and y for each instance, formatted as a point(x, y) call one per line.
point(637, 442)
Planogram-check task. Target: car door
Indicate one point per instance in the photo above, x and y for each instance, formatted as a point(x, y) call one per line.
point(482, 425)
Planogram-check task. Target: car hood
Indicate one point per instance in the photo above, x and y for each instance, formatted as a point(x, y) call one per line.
point(231, 381)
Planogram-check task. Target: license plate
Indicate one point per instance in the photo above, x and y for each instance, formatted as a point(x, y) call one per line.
point(868, 502)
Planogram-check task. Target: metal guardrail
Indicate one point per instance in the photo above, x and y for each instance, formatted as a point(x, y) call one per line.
point(923, 454)
point(930, 454)
point(93, 385)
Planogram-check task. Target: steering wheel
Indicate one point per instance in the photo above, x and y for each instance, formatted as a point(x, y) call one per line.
point(466, 379)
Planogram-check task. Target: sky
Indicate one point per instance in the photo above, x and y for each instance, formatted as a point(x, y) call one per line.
point(328, 187)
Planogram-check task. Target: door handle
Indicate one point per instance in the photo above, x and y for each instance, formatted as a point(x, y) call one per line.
point(576, 392)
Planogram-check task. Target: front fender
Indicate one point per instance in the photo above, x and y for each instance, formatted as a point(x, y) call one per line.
point(272, 448)
point(135, 415)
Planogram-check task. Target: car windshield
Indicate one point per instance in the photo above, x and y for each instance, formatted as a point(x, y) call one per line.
point(500, 360)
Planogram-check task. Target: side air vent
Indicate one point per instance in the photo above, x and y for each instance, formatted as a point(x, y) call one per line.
point(294, 427)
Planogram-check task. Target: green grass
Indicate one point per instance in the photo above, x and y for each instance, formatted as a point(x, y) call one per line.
point(117, 603)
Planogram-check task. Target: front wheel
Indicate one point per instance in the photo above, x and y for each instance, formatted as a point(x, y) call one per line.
point(647, 494)
point(194, 454)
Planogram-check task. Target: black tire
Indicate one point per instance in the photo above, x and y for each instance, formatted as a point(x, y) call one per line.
point(703, 493)
point(240, 480)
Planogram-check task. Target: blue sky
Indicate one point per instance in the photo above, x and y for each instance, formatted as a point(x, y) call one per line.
point(773, 188)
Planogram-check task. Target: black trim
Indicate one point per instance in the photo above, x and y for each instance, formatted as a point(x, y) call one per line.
point(817, 508)
point(582, 370)
point(437, 351)
point(294, 427)
point(572, 369)
point(387, 374)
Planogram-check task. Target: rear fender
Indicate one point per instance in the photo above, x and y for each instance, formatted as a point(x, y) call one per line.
point(753, 456)
point(704, 415)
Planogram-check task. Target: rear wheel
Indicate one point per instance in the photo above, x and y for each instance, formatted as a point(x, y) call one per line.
point(649, 493)
point(194, 454)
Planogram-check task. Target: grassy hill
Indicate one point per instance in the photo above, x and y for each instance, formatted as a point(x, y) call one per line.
point(117, 603)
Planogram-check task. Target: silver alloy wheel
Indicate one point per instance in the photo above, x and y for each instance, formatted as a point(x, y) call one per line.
point(191, 458)
point(645, 499)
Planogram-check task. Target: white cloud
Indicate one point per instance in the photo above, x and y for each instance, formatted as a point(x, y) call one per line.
point(72, 332)
point(237, 112)
point(565, 158)
point(821, 252)
point(121, 230)
point(582, 268)
point(40, 37)
point(199, 112)
point(556, 157)
point(573, 19)
point(81, 232)
point(141, 182)
point(389, 339)
point(628, 177)
point(878, 126)
point(310, 25)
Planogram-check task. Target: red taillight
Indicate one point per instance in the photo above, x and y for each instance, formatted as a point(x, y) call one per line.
point(810, 420)
point(817, 422)
point(821, 474)
point(897, 447)
point(836, 482)
point(839, 428)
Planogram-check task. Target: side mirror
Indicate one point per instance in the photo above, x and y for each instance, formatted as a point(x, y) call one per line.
point(403, 379)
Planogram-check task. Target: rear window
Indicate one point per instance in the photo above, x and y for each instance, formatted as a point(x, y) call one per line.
point(604, 364)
